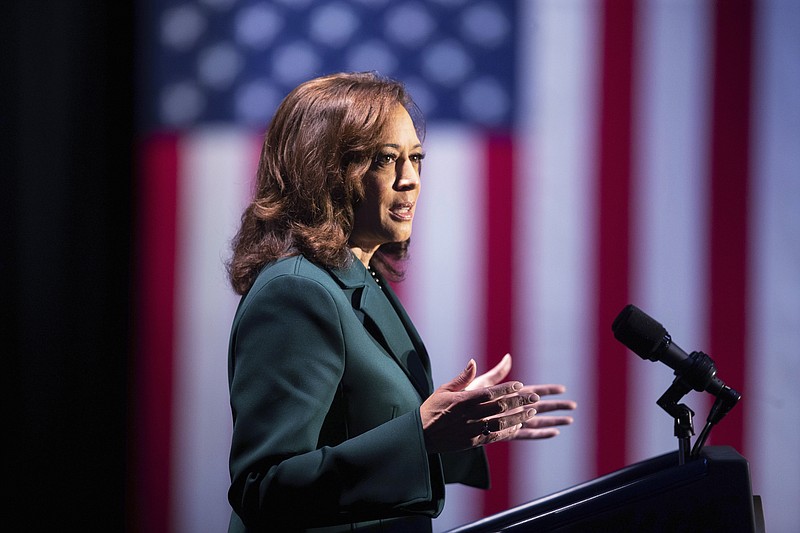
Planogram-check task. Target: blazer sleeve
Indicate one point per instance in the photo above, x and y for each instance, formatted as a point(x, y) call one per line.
point(287, 357)
point(469, 467)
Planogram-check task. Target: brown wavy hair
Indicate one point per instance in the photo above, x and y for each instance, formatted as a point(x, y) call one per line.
point(322, 140)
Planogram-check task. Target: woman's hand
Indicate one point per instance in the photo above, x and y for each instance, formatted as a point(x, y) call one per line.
point(539, 427)
point(458, 415)
point(545, 427)
point(493, 376)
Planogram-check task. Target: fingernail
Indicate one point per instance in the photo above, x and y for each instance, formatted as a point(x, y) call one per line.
point(530, 412)
point(470, 364)
point(533, 398)
point(517, 385)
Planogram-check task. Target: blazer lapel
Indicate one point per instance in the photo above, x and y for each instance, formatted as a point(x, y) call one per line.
point(416, 340)
point(387, 323)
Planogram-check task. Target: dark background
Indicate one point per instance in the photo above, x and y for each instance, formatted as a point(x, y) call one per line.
point(68, 203)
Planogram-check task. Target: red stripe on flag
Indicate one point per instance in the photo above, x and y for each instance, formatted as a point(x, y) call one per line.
point(613, 227)
point(154, 366)
point(730, 165)
point(498, 293)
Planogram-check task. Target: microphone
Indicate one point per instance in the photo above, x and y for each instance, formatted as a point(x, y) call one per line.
point(648, 339)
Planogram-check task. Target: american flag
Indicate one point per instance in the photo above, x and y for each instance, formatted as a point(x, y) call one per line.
point(582, 155)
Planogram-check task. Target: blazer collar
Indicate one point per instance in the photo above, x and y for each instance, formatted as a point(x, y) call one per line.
point(364, 298)
point(351, 277)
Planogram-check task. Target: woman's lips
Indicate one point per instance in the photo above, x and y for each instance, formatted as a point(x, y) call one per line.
point(404, 211)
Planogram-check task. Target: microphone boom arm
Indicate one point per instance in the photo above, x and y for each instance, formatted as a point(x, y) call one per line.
point(684, 424)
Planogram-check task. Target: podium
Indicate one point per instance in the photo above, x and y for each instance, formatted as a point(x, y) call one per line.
point(711, 493)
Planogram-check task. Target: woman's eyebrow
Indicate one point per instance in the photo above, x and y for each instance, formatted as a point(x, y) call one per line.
point(397, 146)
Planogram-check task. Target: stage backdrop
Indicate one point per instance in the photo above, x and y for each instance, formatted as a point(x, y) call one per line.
point(581, 156)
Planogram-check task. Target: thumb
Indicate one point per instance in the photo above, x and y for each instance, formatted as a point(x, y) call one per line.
point(461, 381)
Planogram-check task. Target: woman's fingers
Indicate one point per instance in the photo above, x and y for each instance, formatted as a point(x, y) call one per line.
point(454, 420)
point(541, 427)
point(475, 410)
point(501, 427)
point(547, 406)
point(461, 381)
point(497, 374)
point(547, 389)
point(506, 421)
point(495, 400)
point(548, 421)
point(526, 433)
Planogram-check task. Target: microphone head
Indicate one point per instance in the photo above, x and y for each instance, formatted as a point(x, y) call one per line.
point(642, 334)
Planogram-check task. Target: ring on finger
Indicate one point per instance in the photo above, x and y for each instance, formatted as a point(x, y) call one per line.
point(485, 431)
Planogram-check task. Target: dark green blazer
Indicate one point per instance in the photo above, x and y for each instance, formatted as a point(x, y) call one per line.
point(326, 376)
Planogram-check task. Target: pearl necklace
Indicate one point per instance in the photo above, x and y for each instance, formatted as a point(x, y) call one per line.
point(375, 277)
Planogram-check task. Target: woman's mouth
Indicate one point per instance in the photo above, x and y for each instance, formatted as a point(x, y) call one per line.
point(403, 211)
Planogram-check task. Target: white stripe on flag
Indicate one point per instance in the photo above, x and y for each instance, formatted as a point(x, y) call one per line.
point(671, 73)
point(773, 436)
point(555, 166)
point(443, 289)
point(214, 177)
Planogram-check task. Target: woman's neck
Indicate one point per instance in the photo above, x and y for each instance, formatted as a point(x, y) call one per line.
point(363, 254)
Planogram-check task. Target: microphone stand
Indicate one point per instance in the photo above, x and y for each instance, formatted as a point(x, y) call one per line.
point(725, 401)
point(684, 426)
point(697, 374)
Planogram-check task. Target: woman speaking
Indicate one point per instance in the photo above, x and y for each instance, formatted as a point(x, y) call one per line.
point(336, 424)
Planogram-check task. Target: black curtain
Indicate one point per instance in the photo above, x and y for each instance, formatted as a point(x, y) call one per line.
point(68, 202)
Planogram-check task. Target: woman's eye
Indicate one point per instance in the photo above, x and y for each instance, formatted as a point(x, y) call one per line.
point(417, 158)
point(385, 159)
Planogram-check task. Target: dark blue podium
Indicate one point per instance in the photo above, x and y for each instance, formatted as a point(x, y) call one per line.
point(709, 494)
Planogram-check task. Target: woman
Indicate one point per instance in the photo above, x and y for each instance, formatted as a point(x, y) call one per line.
point(336, 423)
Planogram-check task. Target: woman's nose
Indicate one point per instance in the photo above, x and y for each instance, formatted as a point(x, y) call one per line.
point(408, 176)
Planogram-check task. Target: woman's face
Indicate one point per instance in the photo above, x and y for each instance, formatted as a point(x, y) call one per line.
point(391, 186)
